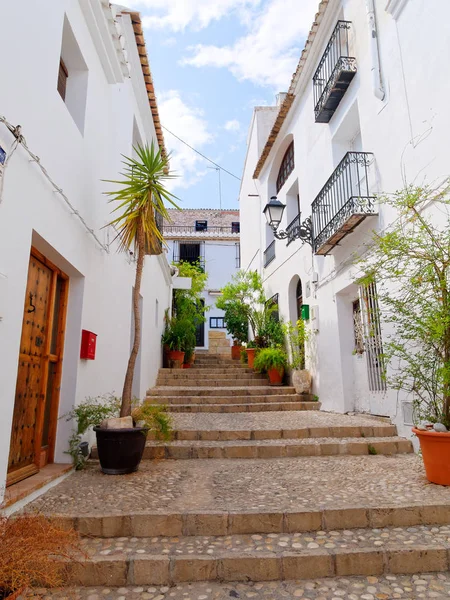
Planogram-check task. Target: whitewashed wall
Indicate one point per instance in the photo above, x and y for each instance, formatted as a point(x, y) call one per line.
point(32, 214)
point(408, 133)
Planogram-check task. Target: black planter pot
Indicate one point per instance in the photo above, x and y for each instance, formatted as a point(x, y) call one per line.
point(120, 450)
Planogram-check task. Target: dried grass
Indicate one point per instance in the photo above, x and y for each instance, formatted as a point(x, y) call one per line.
point(35, 552)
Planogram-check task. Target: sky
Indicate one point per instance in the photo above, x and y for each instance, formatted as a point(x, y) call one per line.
point(212, 62)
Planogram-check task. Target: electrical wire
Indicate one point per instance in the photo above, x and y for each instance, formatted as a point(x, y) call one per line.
point(202, 155)
point(20, 140)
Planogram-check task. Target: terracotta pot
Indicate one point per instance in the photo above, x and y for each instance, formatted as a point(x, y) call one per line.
point(302, 381)
point(236, 352)
point(177, 355)
point(435, 448)
point(275, 376)
point(251, 356)
point(186, 365)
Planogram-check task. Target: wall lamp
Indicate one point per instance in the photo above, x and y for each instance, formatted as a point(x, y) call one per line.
point(273, 212)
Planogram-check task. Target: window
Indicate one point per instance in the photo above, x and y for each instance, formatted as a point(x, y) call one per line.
point(235, 227)
point(192, 252)
point(238, 256)
point(272, 304)
point(287, 166)
point(62, 79)
point(217, 323)
point(201, 225)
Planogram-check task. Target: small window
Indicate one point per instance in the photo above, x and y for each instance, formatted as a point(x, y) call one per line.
point(62, 79)
point(201, 225)
point(216, 323)
point(235, 227)
point(287, 166)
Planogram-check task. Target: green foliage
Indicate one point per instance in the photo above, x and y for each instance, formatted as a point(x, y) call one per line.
point(372, 450)
point(156, 418)
point(297, 336)
point(270, 358)
point(244, 356)
point(236, 321)
point(315, 398)
point(410, 264)
point(93, 411)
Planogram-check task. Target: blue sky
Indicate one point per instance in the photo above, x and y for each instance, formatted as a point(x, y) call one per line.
point(212, 61)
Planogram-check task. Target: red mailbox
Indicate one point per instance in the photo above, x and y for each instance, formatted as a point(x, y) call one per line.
point(88, 344)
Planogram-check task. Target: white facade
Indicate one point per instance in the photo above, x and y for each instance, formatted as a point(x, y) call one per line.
point(79, 142)
point(395, 108)
point(219, 253)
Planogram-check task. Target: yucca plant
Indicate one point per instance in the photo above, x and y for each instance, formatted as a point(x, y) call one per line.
point(139, 199)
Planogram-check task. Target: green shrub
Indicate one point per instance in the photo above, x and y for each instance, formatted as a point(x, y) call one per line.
point(270, 358)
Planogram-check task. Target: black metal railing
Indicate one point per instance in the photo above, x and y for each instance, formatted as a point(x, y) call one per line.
point(346, 193)
point(292, 228)
point(269, 254)
point(175, 230)
point(189, 252)
point(334, 73)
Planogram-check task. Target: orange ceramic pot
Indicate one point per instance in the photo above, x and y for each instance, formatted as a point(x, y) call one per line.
point(236, 352)
point(176, 355)
point(251, 356)
point(435, 448)
point(275, 376)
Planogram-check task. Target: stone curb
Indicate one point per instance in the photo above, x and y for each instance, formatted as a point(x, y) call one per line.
point(230, 408)
point(213, 523)
point(174, 400)
point(170, 570)
point(257, 390)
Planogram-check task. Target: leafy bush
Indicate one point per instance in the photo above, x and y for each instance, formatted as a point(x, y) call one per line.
point(270, 358)
point(236, 321)
point(297, 336)
point(156, 418)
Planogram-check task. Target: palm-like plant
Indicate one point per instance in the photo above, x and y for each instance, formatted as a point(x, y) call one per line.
point(140, 198)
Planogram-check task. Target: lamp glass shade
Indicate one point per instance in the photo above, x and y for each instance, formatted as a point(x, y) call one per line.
point(274, 212)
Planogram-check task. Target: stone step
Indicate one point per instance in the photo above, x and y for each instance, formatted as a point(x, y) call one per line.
point(382, 587)
point(238, 408)
point(212, 390)
point(222, 374)
point(171, 400)
point(212, 380)
point(207, 371)
point(227, 435)
point(183, 450)
point(163, 561)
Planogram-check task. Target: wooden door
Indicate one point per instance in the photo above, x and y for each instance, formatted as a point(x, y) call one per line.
point(39, 373)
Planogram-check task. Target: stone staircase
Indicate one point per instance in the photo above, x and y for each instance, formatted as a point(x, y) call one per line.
point(318, 496)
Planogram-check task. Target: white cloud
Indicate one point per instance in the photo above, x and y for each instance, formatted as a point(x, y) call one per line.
point(179, 14)
point(232, 125)
point(269, 52)
point(188, 123)
point(169, 42)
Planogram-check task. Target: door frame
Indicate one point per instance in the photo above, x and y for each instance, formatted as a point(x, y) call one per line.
point(41, 458)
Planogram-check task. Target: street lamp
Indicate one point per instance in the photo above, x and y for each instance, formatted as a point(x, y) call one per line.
point(273, 212)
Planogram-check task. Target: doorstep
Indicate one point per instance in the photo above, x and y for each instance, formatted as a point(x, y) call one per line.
point(22, 489)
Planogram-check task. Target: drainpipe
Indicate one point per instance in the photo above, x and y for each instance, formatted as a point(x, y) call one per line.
point(377, 82)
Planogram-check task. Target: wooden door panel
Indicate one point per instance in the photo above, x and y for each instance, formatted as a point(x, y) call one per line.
point(31, 376)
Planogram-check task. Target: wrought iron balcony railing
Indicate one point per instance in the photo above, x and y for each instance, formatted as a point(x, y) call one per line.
point(269, 254)
point(334, 73)
point(344, 201)
point(191, 231)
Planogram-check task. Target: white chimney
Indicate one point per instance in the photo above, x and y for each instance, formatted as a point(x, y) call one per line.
point(281, 98)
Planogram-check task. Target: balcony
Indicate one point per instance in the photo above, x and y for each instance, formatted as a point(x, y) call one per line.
point(191, 231)
point(343, 203)
point(334, 73)
point(269, 254)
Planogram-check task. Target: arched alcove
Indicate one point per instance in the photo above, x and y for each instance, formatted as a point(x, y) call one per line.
point(295, 294)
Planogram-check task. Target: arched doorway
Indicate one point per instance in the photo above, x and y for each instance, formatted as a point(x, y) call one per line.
point(299, 298)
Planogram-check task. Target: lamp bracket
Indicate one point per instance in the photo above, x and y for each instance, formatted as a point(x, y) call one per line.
point(301, 231)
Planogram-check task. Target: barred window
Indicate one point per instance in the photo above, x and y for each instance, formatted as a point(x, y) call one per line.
point(217, 323)
point(287, 166)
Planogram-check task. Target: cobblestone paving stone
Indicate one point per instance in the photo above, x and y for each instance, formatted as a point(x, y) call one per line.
point(246, 484)
point(277, 420)
point(279, 442)
point(350, 588)
point(271, 543)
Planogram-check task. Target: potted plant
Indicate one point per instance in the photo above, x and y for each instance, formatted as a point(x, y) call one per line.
point(35, 552)
point(273, 361)
point(140, 197)
point(237, 326)
point(251, 353)
point(297, 337)
point(406, 288)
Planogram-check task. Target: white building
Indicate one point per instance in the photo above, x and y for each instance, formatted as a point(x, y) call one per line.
point(75, 76)
point(365, 112)
point(210, 237)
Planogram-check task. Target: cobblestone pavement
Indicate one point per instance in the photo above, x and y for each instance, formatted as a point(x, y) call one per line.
point(268, 420)
point(274, 484)
point(351, 588)
point(270, 544)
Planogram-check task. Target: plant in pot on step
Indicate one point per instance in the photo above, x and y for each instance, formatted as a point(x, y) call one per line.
point(406, 293)
point(174, 336)
point(297, 337)
point(236, 322)
point(139, 200)
point(272, 361)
